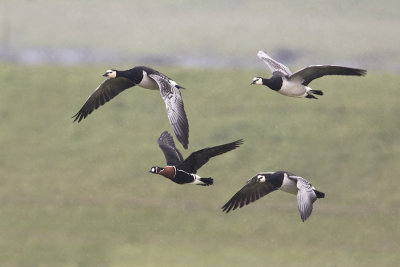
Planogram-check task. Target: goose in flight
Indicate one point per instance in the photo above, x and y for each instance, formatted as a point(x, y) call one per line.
point(296, 84)
point(264, 183)
point(118, 81)
point(182, 171)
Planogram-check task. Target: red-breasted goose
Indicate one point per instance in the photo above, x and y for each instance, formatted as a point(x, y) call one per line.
point(183, 171)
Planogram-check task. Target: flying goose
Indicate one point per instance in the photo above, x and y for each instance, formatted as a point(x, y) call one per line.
point(183, 171)
point(117, 81)
point(296, 84)
point(264, 183)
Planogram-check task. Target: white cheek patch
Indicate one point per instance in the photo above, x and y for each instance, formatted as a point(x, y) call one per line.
point(111, 73)
point(261, 178)
point(257, 81)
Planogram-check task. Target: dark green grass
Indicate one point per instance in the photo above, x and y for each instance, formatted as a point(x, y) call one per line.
point(81, 195)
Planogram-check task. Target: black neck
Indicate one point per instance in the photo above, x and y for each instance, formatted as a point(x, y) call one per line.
point(276, 178)
point(275, 83)
point(135, 75)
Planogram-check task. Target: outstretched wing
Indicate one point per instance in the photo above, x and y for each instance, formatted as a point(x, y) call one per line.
point(275, 67)
point(305, 197)
point(106, 91)
point(252, 191)
point(171, 153)
point(175, 109)
point(200, 157)
point(307, 74)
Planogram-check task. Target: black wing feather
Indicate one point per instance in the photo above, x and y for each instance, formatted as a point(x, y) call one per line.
point(307, 74)
point(103, 93)
point(201, 157)
point(252, 191)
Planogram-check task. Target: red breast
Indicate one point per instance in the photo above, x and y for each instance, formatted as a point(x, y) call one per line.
point(168, 171)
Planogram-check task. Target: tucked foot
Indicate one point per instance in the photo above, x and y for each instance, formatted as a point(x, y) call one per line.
point(310, 96)
point(317, 92)
point(206, 181)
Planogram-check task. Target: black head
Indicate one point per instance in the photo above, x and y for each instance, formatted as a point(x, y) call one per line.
point(156, 169)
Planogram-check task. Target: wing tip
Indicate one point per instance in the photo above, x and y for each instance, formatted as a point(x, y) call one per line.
point(355, 72)
point(183, 137)
point(165, 134)
point(184, 140)
point(227, 207)
point(362, 72)
point(261, 54)
point(78, 117)
point(237, 143)
point(240, 141)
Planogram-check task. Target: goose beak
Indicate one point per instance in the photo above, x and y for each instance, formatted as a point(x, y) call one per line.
point(105, 75)
point(253, 82)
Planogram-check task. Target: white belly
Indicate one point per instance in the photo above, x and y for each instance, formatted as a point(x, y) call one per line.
point(293, 89)
point(289, 185)
point(148, 83)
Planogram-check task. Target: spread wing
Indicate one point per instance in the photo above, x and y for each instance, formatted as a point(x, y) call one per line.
point(171, 153)
point(307, 74)
point(305, 197)
point(200, 157)
point(252, 191)
point(175, 109)
point(275, 67)
point(103, 93)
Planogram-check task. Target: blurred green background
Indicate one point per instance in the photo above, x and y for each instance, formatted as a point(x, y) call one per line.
point(81, 195)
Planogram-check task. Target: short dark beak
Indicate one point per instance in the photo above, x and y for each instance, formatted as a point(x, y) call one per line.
point(253, 82)
point(105, 75)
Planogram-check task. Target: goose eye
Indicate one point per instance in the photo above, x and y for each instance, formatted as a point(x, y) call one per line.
point(261, 178)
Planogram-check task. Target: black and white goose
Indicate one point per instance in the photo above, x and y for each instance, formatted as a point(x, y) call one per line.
point(266, 182)
point(183, 171)
point(117, 81)
point(296, 84)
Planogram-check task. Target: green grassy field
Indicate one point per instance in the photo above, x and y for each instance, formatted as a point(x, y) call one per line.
point(81, 195)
